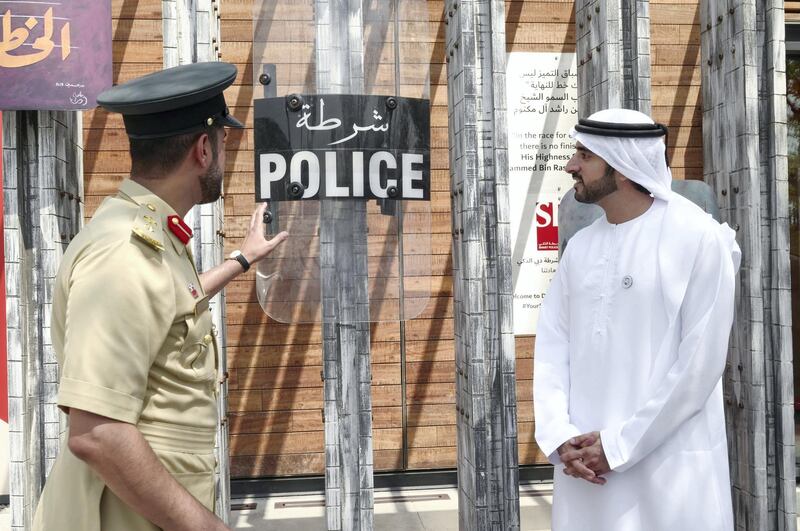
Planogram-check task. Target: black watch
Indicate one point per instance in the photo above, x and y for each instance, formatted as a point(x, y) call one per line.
point(239, 257)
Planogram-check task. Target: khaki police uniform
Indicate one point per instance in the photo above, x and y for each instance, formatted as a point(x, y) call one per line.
point(133, 335)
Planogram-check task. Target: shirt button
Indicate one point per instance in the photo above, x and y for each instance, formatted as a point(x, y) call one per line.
point(207, 339)
point(151, 207)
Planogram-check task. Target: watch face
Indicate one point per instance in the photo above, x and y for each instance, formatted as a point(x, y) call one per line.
point(234, 254)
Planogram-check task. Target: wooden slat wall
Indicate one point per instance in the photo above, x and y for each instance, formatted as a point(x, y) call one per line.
point(792, 11)
point(137, 50)
point(275, 386)
point(675, 54)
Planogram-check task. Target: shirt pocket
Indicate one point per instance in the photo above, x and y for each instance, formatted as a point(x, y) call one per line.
point(196, 360)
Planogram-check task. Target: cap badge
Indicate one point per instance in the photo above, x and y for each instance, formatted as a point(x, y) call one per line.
point(193, 290)
point(179, 229)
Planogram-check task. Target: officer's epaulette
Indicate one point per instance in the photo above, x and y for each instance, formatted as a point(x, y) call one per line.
point(147, 227)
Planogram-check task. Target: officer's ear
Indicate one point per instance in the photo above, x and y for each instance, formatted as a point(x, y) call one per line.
point(201, 151)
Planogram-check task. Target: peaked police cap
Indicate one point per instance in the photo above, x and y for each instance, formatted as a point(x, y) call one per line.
point(176, 101)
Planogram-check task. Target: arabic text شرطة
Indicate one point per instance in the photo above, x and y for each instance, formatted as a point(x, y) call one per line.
point(335, 123)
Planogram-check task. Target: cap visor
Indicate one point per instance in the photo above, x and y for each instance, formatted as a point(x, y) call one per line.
point(230, 121)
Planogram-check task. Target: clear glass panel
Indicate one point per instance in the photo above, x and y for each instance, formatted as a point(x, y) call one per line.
point(354, 259)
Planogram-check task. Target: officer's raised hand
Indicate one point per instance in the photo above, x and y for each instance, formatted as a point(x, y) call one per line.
point(255, 247)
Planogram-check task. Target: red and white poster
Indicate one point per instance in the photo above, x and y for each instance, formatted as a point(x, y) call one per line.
point(546, 226)
point(542, 92)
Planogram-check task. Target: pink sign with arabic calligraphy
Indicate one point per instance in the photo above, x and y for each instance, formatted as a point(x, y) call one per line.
point(54, 55)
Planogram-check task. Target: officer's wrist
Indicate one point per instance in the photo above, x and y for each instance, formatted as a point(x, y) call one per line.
point(239, 257)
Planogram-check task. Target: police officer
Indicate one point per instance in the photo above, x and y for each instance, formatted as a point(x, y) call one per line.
point(131, 326)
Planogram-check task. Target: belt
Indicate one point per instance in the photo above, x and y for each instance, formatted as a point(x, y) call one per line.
point(176, 438)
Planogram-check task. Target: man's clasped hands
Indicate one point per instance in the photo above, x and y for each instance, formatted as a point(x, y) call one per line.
point(583, 457)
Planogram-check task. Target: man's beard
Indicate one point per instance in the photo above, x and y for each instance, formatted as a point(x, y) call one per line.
point(211, 183)
point(598, 190)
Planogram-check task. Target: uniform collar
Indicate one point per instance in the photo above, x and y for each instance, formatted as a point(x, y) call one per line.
point(144, 197)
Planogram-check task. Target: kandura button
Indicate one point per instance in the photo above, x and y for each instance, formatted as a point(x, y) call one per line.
point(207, 339)
point(151, 207)
point(627, 281)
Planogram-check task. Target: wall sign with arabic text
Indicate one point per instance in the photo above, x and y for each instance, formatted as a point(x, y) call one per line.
point(542, 92)
point(54, 55)
point(342, 146)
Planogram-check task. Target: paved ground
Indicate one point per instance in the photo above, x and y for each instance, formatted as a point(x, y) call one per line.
point(408, 510)
point(404, 510)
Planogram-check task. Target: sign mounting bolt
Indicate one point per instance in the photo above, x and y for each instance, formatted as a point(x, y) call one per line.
point(264, 79)
point(391, 102)
point(295, 102)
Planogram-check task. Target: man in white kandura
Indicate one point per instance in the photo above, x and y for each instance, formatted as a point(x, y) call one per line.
point(632, 342)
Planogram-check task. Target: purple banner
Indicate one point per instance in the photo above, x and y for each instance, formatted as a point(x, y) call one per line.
point(54, 55)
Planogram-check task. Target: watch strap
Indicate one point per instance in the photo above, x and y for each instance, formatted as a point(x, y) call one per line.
point(243, 261)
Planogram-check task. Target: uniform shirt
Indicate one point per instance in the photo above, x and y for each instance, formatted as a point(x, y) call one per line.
point(133, 336)
point(608, 360)
point(131, 326)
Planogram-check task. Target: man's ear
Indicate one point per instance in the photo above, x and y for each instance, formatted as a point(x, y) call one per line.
point(201, 151)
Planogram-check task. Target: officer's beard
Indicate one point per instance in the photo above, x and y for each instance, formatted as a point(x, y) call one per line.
point(211, 182)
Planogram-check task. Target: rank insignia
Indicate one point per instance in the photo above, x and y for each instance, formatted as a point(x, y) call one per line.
point(179, 229)
point(193, 290)
point(150, 223)
point(147, 228)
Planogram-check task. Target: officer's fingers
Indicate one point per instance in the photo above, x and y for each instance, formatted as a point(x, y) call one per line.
point(277, 240)
point(258, 215)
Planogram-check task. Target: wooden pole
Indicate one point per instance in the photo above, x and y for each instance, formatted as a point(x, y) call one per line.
point(43, 187)
point(745, 161)
point(4, 454)
point(345, 304)
point(613, 52)
point(488, 477)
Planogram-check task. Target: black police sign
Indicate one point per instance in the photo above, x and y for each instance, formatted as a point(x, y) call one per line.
point(342, 146)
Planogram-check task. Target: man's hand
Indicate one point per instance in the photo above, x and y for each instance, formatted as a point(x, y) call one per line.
point(586, 452)
point(575, 466)
point(256, 246)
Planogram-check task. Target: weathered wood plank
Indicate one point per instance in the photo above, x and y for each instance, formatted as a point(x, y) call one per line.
point(745, 149)
point(486, 414)
point(38, 224)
